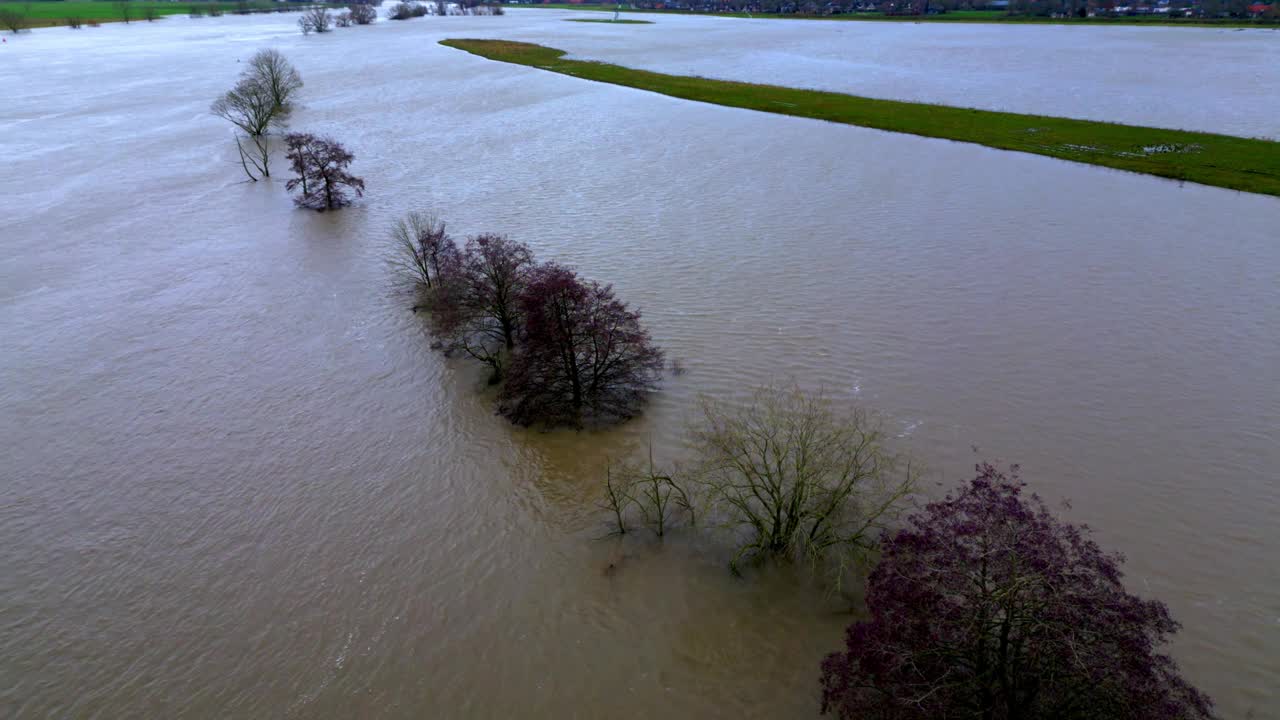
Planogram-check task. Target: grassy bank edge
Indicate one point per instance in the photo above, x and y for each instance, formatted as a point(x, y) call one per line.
point(1249, 165)
point(55, 13)
point(959, 16)
point(609, 21)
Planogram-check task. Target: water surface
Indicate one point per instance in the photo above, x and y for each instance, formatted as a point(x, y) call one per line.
point(238, 483)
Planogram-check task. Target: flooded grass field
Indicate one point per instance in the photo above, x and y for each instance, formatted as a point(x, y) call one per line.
point(238, 482)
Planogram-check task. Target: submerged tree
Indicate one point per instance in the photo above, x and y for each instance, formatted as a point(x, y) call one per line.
point(320, 164)
point(803, 480)
point(425, 250)
point(475, 309)
point(317, 19)
point(987, 606)
point(585, 354)
point(400, 11)
point(262, 99)
point(362, 14)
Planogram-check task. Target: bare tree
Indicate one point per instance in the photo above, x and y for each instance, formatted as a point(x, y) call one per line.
point(363, 14)
point(13, 20)
point(800, 478)
point(261, 99)
point(425, 250)
point(215, 10)
point(150, 13)
point(321, 167)
point(317, 19)
point(124, 9)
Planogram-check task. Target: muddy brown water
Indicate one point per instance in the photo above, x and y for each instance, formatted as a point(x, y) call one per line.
point(236, 481)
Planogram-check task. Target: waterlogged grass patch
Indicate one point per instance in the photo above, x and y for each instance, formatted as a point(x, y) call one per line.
point(610, 22)
point(1251, 165)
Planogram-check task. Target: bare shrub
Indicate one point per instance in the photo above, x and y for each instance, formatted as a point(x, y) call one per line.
point(420, 10)
point(400, 11)
point(124, 10)
point(150, 12)
point(74, 23)
point(362, 14)
point(195, 11)
point(317, 19)
point(342, 20)
point(802, 480)
point(215, 10)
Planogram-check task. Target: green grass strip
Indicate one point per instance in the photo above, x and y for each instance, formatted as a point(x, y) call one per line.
point(610, 22)
point(1222, 160)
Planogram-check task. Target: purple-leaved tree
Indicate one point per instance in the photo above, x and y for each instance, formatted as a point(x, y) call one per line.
point(987, 606)
point(584, 354)
point(320, 164)
point(475, 299)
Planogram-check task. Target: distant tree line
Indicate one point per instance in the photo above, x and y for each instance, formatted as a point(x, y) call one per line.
point(1233, 9)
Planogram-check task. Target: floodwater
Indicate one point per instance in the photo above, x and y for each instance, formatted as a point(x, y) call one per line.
point(237, 482)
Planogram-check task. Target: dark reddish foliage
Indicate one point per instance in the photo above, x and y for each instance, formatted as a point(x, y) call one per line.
point(475, 302)
point(320, 164)
point(584, 354)
point(986, 606)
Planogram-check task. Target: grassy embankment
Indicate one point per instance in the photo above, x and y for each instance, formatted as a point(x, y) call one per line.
point(610, 21)
point(1222, 160)
point(50, 14)
point(957, 16)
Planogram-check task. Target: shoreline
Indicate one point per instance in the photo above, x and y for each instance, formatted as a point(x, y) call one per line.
point(1226, 161)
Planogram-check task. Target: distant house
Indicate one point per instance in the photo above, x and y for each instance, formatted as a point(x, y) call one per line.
point(1258, 9)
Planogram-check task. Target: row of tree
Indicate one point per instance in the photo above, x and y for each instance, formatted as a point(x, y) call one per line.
point(565, 350)
point(980, 605)
point(406, 10)
point(262, 100)
point(318, 19)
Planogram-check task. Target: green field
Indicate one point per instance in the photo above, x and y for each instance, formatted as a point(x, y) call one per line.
point(960, 16)
point(610, 22)
point(56, 12)
point(1222, 160)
